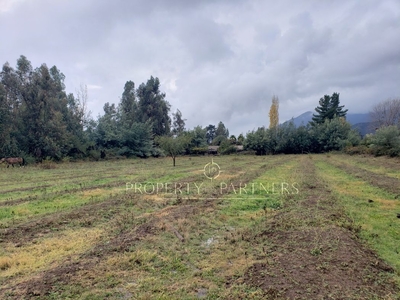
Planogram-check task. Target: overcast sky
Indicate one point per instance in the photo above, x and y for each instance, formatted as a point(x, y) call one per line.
point(216, 60)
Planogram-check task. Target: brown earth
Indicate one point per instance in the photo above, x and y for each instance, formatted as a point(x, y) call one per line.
point(390, 163)
point(311, 248)
point(387, 183)
point(312, 254)
point(45, 282)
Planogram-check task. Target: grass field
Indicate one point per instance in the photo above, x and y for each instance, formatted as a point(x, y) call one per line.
point(222, 227)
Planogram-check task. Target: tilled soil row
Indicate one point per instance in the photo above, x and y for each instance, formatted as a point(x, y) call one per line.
point(387, 183)
point(88, 214)
point(45, 282)
point(59, 192)
point(311, 257)
point(62, 192)
point(383, 161)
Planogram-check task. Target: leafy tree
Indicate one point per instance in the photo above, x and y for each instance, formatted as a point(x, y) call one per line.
point(153, 108)
point(10, 107)
point(12, 84)
point(304, 141)
point(333, 134)
point(286, 141)
point(197, 140)
point(24, 69)
point(274, 113)
point(173, 146)
point(294, 140)
point(210, 133)
point(107, 130)
point(328, 108)
point(178, 124)
point(5, 119)
point(80, 107)
point(45, 132)
point(259, 141)
point(219, 139)
point(77, 121)
point(43, 120)
point(240, 139)
point(232, 139)
point(221, 130)
point(136, 140)
point(128, 105)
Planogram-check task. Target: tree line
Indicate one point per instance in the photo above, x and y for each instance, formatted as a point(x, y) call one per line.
point(327, 131)
point(40, 120)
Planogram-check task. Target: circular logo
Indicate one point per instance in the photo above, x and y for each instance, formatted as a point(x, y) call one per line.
point(212, 170)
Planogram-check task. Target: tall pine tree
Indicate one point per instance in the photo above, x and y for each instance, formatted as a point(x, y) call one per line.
point(329, 108)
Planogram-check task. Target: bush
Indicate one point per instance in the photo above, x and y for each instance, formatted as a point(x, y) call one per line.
point(199, 150)
point(388, 136)
point(29, 159)
point(94, 154)
point(360, 149)
point(385, 141)
point(226, 150)
point(47, 164)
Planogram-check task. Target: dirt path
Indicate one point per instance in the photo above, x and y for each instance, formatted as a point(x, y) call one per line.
point(314, 253)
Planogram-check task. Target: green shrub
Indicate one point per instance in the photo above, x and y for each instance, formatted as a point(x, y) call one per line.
point(360, 149)
point(48, 163)
point(385, 141)
point(388, 136)
point(29, 159)
point(199, 150)
point(94, 154)
point(227, 150)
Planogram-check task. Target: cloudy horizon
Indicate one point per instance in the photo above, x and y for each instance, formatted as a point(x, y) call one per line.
point(216, 60)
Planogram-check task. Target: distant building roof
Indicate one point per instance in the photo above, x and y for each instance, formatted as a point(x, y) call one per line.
point(239, 147)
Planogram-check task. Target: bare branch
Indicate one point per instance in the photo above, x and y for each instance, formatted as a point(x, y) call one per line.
point(386, 113)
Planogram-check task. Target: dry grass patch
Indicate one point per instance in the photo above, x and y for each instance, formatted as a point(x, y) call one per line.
point(51, 251)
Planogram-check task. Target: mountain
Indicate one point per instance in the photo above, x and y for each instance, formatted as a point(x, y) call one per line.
point(303, 119)
point(353, 119)
point(361, 122)
point(365, 127)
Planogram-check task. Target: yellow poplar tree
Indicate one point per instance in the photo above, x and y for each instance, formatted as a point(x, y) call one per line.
point(274, 112)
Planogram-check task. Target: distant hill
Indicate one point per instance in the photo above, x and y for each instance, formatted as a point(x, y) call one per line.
point(364, 128)
point(303, 119)
point(360, 122)
point(354, 119)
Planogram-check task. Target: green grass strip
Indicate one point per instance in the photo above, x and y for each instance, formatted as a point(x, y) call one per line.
point(374, 209)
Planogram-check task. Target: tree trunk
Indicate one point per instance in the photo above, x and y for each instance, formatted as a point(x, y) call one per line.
point(173, 158)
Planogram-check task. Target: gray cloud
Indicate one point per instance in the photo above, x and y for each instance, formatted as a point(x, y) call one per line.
point(217, 60)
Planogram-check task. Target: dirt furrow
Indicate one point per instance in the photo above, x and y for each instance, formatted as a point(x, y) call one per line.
point(314, 253)
point(387, 183)
point(133, 230)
